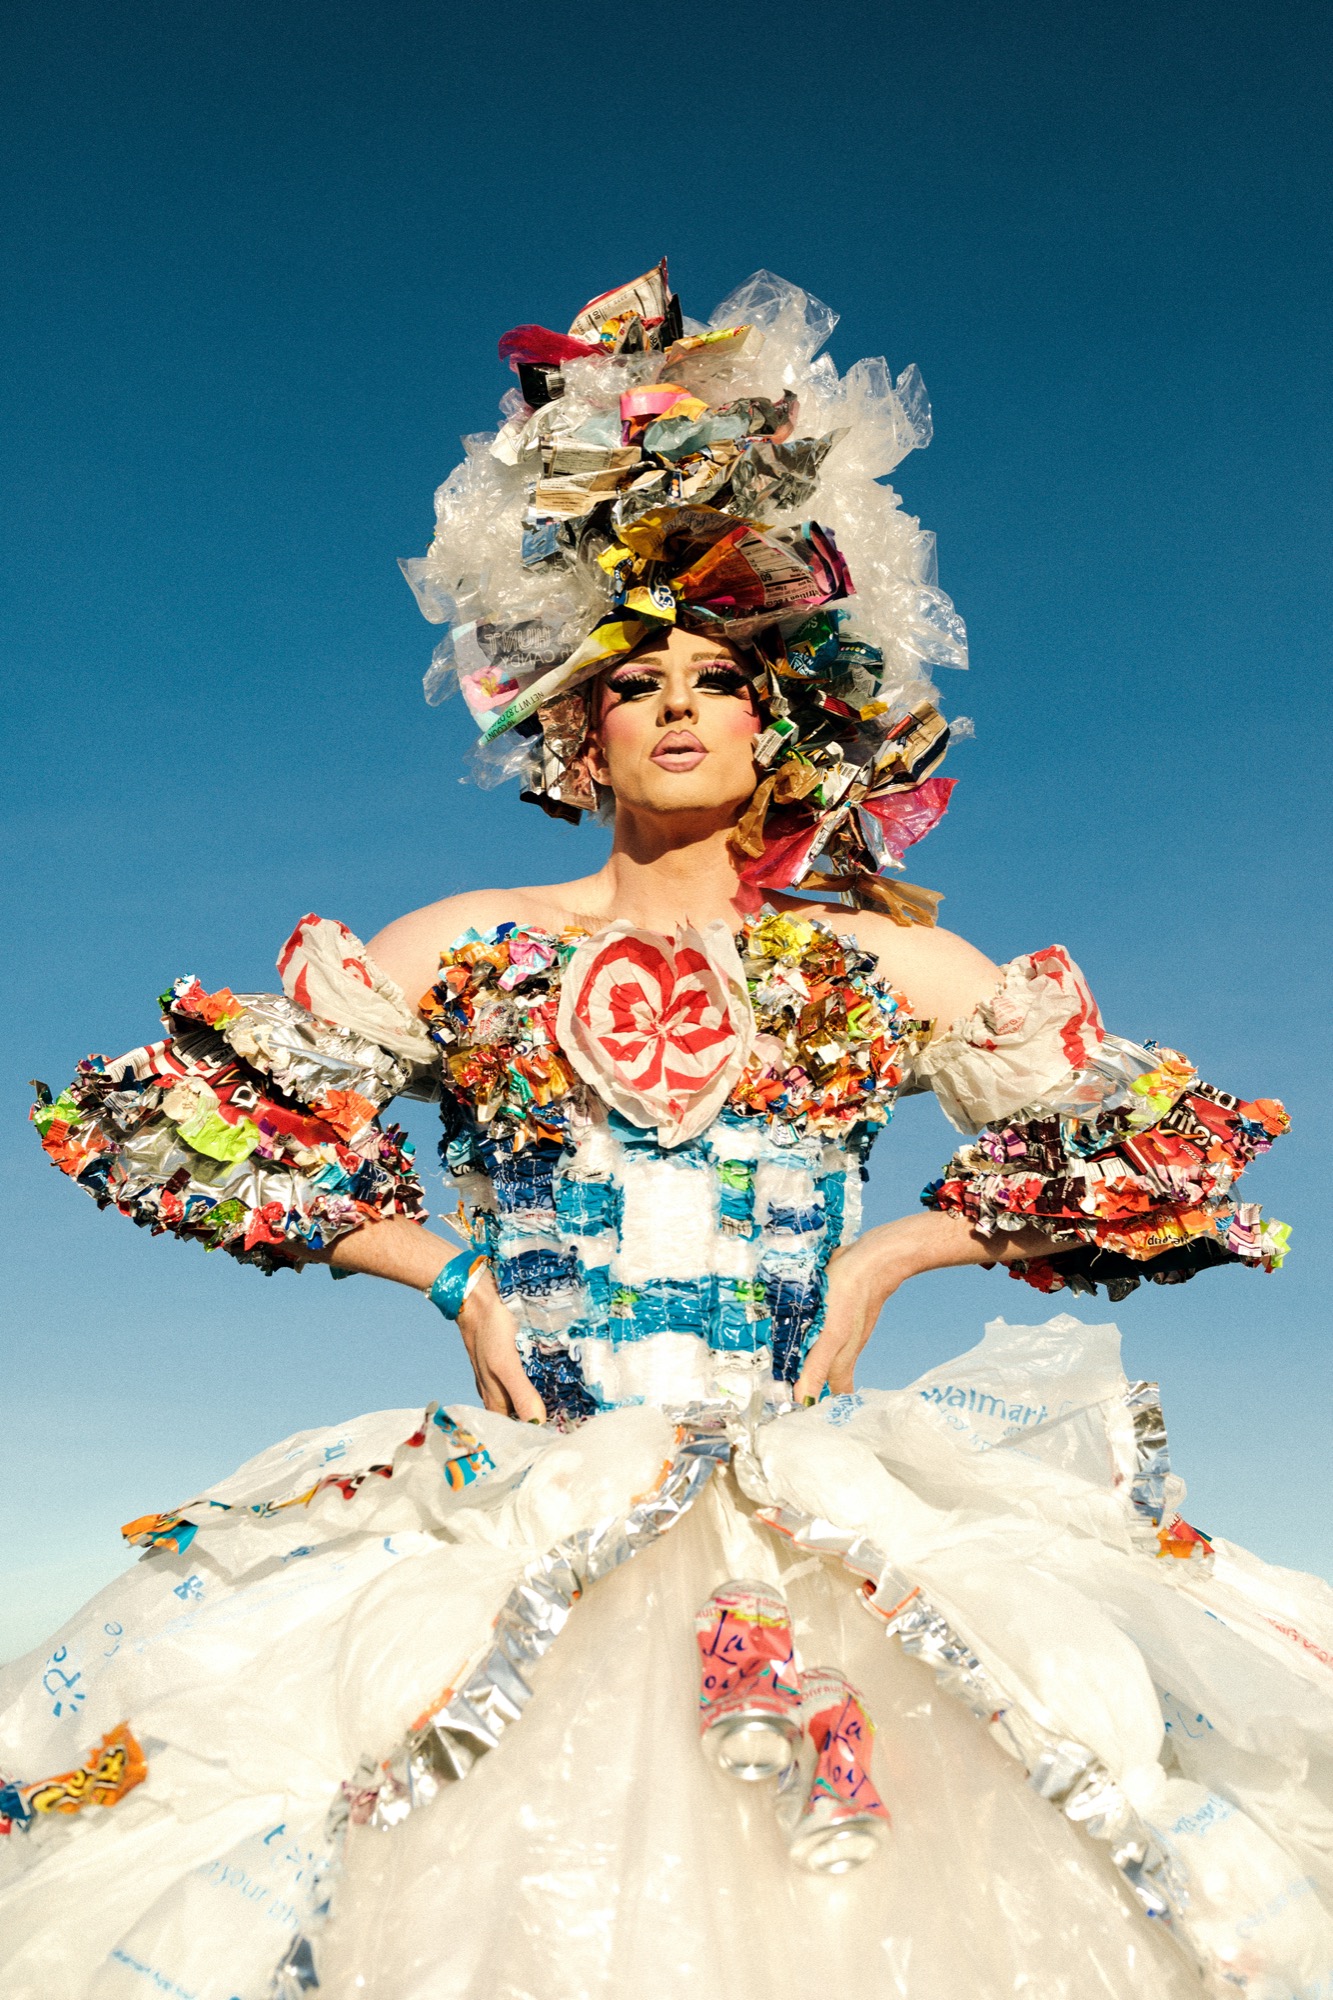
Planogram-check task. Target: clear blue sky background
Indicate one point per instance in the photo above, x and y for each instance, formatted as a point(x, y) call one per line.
point(257, 259)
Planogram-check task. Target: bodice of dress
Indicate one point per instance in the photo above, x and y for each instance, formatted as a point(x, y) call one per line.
point(655, 1261)
point(660, 1142)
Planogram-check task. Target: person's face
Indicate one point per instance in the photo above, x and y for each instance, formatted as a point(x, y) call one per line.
point(674, 727)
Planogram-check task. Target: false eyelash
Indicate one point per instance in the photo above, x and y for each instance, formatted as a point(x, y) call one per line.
point(635, 684)
point(717, 680)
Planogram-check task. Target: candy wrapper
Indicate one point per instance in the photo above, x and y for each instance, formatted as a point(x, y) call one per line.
point(1121, 1155)
point(111, 1769)
point(724, 479)
point(749, 1698)
point(815, 1037)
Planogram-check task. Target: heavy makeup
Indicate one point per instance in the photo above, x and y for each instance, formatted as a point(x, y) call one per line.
point(674, 728)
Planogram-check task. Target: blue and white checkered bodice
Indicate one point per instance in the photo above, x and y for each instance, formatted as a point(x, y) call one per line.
point(639, 1271)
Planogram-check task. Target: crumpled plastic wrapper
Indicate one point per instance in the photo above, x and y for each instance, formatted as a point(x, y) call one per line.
point(1035, 1041)
point(327, 971)
point(1121, 1155)
point(830, 1044)
point(253, 1128)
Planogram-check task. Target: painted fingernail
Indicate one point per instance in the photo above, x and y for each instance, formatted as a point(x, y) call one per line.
point(808, 1401)
point(534, 1420)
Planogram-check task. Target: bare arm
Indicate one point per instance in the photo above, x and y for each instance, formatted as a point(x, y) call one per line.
point(409, 1255)
point(864, 1275)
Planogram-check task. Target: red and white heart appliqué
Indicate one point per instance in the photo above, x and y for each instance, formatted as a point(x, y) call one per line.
point(660, 1027)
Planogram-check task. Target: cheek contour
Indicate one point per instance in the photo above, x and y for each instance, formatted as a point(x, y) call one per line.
point(741, 723)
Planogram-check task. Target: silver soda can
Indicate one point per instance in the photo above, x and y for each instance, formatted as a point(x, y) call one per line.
point(835, 1818)
point(749, 1697)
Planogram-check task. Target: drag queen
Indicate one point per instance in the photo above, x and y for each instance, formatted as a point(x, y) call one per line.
point(678, 1665)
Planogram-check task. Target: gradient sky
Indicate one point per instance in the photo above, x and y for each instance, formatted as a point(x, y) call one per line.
point(257, 262)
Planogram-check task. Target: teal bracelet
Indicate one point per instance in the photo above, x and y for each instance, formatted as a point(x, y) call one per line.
point(455, 1281)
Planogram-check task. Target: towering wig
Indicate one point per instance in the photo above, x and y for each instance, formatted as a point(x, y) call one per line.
point(651, 471)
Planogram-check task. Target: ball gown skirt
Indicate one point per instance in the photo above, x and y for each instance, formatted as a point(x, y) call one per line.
point(409, 1709)
point(417, 1708)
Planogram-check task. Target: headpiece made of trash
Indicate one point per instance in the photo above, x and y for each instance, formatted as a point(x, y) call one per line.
point(651, 471)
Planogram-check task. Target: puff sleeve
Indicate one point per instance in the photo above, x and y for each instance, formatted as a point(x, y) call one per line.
point(253, 1127)
point(1121, 1155)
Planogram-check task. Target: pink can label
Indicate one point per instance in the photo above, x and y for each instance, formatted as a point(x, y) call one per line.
point(842, 1733)
point(745, 1653)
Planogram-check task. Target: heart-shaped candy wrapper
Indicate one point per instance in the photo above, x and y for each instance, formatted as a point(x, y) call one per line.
point(660, 1027)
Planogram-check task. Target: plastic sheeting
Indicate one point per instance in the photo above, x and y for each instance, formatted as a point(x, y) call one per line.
point(1175, 1715)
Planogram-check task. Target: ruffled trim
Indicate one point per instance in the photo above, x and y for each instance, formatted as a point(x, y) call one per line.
point(1139, 1191)
point(252, 1129)
point(438, 1441)
point(1037, 1044)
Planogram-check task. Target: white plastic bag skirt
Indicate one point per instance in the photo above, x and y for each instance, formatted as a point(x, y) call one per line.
point(417, 1704)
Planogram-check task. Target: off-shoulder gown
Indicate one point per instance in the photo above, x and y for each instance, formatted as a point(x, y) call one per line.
point(408, 1709)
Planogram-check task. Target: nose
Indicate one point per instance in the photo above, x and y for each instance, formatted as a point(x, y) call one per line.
point(678, 701)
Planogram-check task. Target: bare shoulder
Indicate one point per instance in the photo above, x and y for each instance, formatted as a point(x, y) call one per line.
point(409, 948)
point(940, 974)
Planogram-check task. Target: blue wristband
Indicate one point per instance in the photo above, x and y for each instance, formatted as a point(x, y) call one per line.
point(455, 1281)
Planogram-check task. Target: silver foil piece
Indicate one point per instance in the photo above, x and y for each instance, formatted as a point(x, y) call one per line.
point(1155, 1491)
point(1067, 1773)
point(296, 1973)
point(772, 478)
point(494, 1691)
point(1152, 1454)
point(308, 1057)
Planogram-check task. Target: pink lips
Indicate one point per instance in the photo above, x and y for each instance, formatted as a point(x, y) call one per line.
point(679, 751)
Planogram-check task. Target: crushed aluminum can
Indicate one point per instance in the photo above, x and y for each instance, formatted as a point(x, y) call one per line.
point(749, 1699)
point(834, 1817)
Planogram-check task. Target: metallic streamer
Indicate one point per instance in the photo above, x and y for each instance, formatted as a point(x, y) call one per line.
point(495, 1691)
point(1152, 1453)
point(1067, 1773)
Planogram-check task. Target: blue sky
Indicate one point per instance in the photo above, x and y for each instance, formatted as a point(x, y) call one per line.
point(258, 260)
